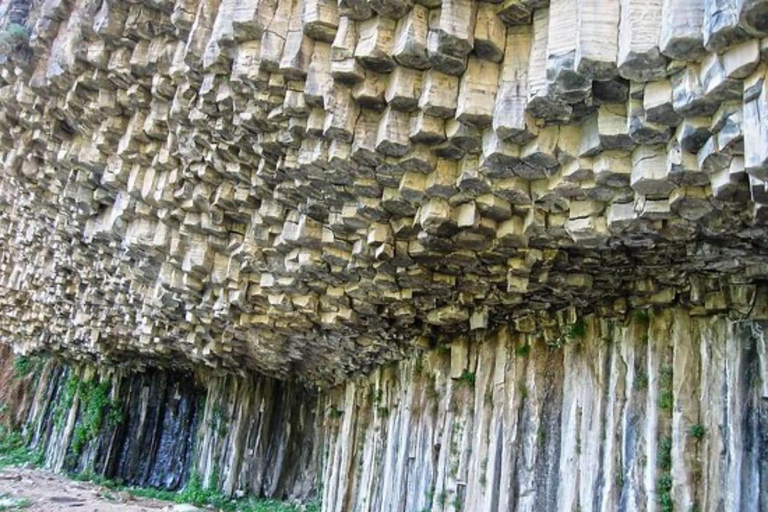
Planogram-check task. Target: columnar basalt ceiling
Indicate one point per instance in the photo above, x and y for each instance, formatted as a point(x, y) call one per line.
point(306, 188)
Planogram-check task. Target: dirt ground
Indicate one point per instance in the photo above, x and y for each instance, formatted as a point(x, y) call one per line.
point(36, 490)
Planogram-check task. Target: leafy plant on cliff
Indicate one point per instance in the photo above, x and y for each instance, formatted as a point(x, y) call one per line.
point(571, 332)
point(666, 398)
point(219, 420)
point(94, 402)
point(66, 400)
point(664, 460)
point(664, 493)
point(697, 431)
point(14, 38)
point(466, 378)
point(523, 350)
point(14, 451)
point(642, 315)
point(21, 366)
point(24, 365)
point(335, 413)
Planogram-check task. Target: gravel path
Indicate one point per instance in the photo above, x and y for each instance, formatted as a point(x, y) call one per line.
point(37, 490)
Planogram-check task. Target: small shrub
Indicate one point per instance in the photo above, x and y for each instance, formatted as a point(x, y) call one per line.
point(441, 497)
point(663, 493)
point(15, 452)
point(375, 396)
point(697, 431)
point(21, 366)
point(523, 350)
point(641, 381)
point(13, 38)
point(467, 377)
point(664, 460)
point(577, 330)
point(666, 400)
point(642, 315)
point(94, 402)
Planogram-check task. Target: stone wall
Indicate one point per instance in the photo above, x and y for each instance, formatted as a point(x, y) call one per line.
point(662, 409)
point(157, 428)
point(307, 188)
point(659, 413)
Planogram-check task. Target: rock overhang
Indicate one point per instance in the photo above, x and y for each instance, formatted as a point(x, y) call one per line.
point(308, 189)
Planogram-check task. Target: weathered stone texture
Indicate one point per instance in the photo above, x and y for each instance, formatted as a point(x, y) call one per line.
point(663, 406)
point(662, 411)
point(304, 188)
point(158, 428)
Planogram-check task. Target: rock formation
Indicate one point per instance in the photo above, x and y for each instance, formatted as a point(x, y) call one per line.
point(268, 202)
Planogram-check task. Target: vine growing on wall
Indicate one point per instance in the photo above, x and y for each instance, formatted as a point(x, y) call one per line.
point(96, 409)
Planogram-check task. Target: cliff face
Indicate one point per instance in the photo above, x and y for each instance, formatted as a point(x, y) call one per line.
point(661, 413)
point(159, 428)
point(309, 189)
point(658, 413)
point(409, 255)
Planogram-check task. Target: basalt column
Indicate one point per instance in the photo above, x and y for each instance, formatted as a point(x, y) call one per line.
point(406, 255)
point(156, 428)
point(667, 412)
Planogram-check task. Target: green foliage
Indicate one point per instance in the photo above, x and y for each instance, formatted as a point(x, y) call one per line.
point(219, 420)
point(666, 398)
point(195, 493)
point(619, 477)
point(115, 416)
point(335, 413)
point(375, 396)
point(664, 493)
point(664, 460)
point(25, 365)
point(21, 366)
point(642, 315)
point(697, 431)
point(577, 329)
point(457, 503)
point(441, 497)
point(523, 350)
point(65, 402)
point(664, 482)
point(14, 504)
point(467, 378)
point(95, 407)
point(94, 402)
point(641, 381)
point(15, 452)
point(13, 38)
